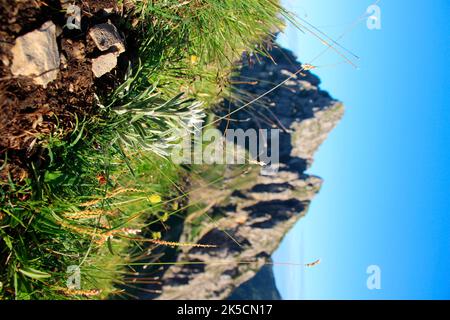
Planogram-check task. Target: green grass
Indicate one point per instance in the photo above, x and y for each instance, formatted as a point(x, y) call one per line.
point(110, 177)
point(192, 46)
point(66, 214)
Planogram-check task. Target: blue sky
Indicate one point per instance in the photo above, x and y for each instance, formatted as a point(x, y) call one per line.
point(385, 200)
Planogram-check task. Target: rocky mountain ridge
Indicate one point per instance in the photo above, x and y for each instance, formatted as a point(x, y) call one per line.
point(250, 213)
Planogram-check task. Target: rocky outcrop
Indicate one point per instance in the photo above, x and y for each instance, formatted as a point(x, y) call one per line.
point(247, 215)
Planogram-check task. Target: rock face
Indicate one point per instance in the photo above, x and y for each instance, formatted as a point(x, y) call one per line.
point(250, 212)
point(36, 54)
point(261, 287)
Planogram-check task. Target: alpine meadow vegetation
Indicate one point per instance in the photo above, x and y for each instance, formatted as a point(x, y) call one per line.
point(102, 191)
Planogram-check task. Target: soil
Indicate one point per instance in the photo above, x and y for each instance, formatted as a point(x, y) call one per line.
point(28, 112)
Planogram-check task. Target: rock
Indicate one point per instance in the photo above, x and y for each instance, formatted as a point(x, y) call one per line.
point(106, 37)
point(73, 14)
point(104, 64)
point(36, 55)
point(261, 287)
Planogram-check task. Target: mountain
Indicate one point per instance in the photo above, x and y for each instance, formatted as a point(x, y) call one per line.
point(250, 211)
point(261, 287)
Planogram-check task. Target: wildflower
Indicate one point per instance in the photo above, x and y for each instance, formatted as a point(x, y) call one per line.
point(165, 217)
point(154, 199)
point(101, 179)
point(156, 235)
point(194, 59)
